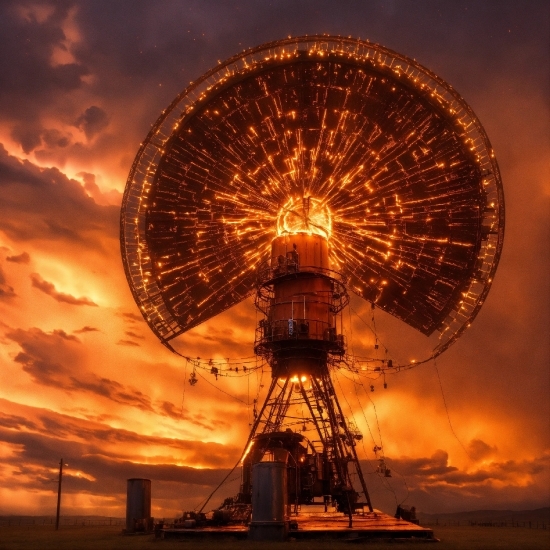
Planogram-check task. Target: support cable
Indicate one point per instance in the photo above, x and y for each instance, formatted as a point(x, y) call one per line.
point(447, 412)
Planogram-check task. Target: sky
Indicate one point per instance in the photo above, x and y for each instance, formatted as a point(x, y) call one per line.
point(83, 378)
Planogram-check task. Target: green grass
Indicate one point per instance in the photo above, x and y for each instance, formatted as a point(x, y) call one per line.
point(106, 538)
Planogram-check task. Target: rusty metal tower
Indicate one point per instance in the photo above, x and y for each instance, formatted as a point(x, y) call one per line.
point(300, 336)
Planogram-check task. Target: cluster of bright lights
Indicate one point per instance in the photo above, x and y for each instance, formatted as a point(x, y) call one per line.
point(304, 215)
point(392, 163)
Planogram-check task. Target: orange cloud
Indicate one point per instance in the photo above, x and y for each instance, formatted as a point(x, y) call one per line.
point(22, 258)
point(49, 289)
point(92, 384)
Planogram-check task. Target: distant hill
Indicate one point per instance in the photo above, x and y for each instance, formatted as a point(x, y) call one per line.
point(540, 515)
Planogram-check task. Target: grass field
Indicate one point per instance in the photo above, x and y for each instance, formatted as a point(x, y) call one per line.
point(109, 537)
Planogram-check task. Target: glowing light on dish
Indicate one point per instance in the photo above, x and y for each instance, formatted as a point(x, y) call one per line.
point(304, 215)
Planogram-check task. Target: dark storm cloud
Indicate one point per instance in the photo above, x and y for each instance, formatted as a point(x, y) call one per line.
point(43, 371)
point(93, 190)
point(151, 42)
point(127, 343)
point(134, 49)
point(6, 291)
point(436, 471)
point(43, 204)
point(62, 334)
point(16, 422)
point(169, 409)
point(165, 408)
point(436, 465)
point(478, 449)
point(83, 444)
point(491, 52)
point(47, 358)
point(55, 138)
point(30, 81)
point(38, 452)
point(132, 317)
point(49, 289)
point(133, 335)
point(52, 359)
point(27, 135)
point(92, 121)
point(22, 258)
point(86, 329)
point(430, 483)
point(57, 359)
point(112, 390)
point(508, 471)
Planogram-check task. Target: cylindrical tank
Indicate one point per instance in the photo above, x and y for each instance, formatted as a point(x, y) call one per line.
point(269, 501)
point(138, 504)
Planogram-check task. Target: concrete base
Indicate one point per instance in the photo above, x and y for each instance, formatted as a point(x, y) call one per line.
point(329, 525)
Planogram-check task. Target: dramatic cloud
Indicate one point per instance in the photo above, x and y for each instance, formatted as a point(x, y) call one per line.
point(51, 359)
point(49, 289)
point(478, 449)
point(6, 291)
point(43, 204)
point(22, 258)
point(86, 329)
point(92, 189)
point(132, 317)
point(100, 458)
point(92, 120)
point(79, 93)
point(127, 343)
point(133, 335)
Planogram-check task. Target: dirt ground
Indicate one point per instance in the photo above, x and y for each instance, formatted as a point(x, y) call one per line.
point(110, 537)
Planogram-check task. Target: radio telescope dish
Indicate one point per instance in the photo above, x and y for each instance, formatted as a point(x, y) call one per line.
point(395, 166)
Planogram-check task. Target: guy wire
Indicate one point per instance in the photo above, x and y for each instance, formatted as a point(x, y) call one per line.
point(447, 411)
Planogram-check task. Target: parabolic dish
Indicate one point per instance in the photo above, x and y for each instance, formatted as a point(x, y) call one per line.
point(393, 154)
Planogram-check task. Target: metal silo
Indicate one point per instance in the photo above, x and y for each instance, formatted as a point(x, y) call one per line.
point(269, 501)
point(138, 505)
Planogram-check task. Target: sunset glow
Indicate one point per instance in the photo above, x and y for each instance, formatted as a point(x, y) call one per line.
point(82, 375)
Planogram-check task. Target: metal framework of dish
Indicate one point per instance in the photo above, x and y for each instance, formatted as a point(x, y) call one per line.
point(394, 158)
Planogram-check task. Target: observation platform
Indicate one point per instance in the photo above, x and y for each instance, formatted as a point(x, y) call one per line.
point(321, 525)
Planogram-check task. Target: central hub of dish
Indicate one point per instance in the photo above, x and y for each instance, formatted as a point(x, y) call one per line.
point(304, 215)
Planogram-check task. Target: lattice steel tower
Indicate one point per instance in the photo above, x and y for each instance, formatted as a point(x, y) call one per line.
point(302, 300)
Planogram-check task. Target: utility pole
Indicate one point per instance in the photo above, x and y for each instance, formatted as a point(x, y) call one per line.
point(59, 494)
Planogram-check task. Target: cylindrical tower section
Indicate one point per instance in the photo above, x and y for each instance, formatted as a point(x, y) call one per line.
point(306, 299)
point(301, 298)
point(138, 505)
point(309, 251)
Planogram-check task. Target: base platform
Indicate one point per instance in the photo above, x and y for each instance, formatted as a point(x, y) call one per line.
point(320, 525)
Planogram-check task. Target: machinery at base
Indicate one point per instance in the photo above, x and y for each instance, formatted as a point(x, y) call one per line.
point(312, 477)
